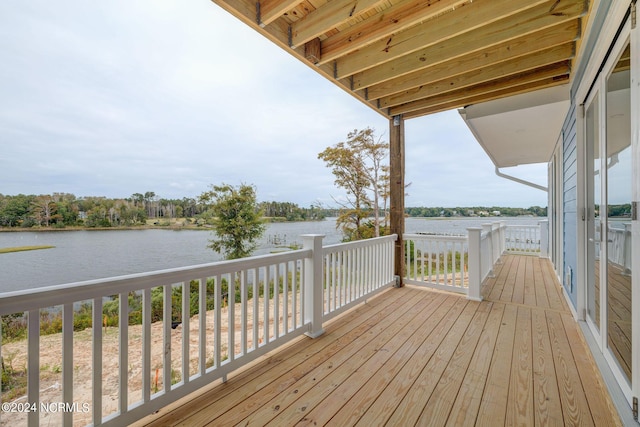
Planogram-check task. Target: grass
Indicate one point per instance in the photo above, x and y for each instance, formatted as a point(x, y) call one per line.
point(24, 248)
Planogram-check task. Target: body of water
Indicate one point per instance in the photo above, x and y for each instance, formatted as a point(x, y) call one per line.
point(85, 255)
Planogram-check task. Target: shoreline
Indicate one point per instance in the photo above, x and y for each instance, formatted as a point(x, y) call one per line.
point(172, 226)
point(77, 228)
point(207, 227)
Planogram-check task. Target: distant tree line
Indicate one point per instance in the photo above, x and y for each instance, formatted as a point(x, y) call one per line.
point(475, 211)
point(59, 210)
point(291, 212)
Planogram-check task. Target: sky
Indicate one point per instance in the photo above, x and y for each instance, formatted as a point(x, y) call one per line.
point(120, 97)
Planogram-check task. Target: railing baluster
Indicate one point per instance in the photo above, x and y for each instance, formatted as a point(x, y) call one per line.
point(285, 298)
point(186, 330)
point(333, 299)
point(294, 295)
point(276, 301)
point(166, 338)
point(340, 280)
point(202, 325)
point(146, 347)
point(303, 292)
point(256, 309)
point(349, 274)
point(217, 326)
point(243, 303)
point(231, 316)
point(67, 361)
point(96, 360)
point(267, 292)
point(33, 364)
point(123, 351)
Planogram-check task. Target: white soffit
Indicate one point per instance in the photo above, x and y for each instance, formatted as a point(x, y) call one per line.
point(521, 129)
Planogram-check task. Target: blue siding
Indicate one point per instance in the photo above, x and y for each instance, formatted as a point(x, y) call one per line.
point(570, 204)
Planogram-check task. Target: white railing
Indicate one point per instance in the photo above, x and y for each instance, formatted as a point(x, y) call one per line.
point(619, 247)
point(457, 263)
point(522, 239)
point(356, 270)
point(244, 308)
point(437, 261)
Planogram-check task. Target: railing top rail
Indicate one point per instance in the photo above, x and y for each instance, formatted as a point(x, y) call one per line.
point(535, 226)
point(49, 296)
point(435, 237)
point(358, 243)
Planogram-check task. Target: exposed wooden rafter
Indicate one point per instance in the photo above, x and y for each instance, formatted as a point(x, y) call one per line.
point(328, 17)
point(397, 18)
point(550, 76)
point(523, 64)
point(460, 54)
point(469, 18)
point(416, 57)
point(268, 11)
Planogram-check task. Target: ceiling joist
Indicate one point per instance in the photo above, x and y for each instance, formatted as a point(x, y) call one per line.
point(397, 18)
point(552, 75)
point(509, 26)
point(328, 17)
point(416, 57)
point(477, 59)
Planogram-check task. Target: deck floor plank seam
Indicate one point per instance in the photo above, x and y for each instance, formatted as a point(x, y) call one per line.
point(414, 356)
point(343, 386)
point(545, 386)
point(438, 408)
point(251, 378)
point(396, 390)
point(292, 405)
point(467, 404)
point(306, 374)
point(411, 406)
point(353, 397)
point(493, 404)
point(520, 401)
point(387, 394)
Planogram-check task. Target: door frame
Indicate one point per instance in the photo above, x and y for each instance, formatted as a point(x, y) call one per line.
point(598, 86)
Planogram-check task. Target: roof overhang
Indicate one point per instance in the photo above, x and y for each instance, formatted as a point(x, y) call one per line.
point(521, 129)
point(412, 58)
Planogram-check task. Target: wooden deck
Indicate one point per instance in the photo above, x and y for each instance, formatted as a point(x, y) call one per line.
point(413, 356)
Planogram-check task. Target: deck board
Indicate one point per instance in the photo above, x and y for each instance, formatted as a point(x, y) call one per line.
point(413, 356)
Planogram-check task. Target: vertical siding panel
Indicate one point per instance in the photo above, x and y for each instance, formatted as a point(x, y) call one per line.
point(570, 202)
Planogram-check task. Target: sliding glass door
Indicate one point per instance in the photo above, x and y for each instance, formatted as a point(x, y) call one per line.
point(608, 216)
point(616, 165)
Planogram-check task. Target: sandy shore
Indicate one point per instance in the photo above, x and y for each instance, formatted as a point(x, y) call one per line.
point(15, 354)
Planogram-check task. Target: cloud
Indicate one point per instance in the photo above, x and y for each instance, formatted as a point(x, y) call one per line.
point(119, 97)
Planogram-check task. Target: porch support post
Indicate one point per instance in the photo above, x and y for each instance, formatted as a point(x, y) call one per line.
point(396, 187)
point(475, 263)
point(488, 229)
point(313, 284)
point(544, 238)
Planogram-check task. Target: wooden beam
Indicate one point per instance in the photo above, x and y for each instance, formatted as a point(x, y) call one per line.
point(270, 10)
point(312, 50)
point(555, 74)
point(490, 96)
point(328, 17)
point(396, 177)
point(399, 16)
point(458, 55)
point(476, 77)
point(475, 15)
